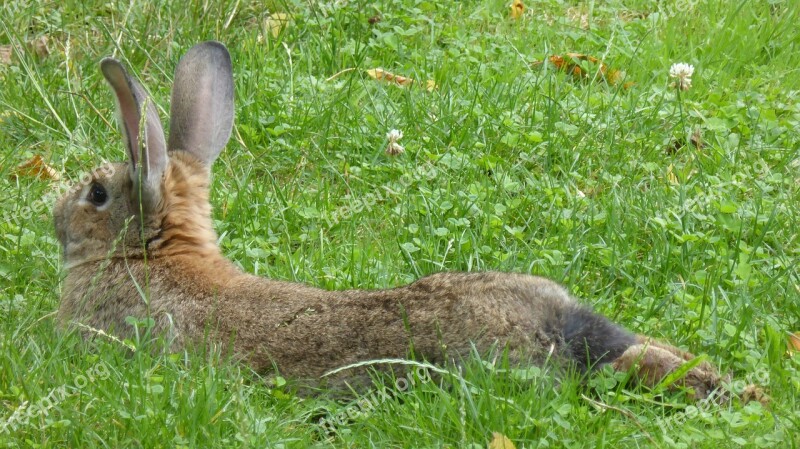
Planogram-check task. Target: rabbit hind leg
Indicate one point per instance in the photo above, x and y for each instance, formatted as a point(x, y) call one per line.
point(652, 361)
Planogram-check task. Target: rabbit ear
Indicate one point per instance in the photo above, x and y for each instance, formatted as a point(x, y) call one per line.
point(201, 115)
point(144, 135)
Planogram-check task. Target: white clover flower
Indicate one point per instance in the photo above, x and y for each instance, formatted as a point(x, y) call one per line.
point(682, 73)
point(394, 135)
point(393, 148)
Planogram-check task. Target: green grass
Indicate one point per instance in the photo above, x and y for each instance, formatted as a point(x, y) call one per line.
point(508, 166)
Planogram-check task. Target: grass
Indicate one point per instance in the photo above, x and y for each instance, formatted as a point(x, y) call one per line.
point(508, 166)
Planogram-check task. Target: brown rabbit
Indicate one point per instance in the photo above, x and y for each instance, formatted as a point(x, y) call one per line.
point(138, 241)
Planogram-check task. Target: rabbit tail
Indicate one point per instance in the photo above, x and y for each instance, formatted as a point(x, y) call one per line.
point(592, 340)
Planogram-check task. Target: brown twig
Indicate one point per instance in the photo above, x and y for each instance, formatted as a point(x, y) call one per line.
point(627, 413)
point(335, 75)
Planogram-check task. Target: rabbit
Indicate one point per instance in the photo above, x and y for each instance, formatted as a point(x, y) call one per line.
point(138, 241)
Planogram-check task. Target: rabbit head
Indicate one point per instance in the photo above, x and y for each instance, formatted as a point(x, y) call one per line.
point(157, 201)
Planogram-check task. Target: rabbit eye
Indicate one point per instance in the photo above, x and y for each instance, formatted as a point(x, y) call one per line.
point(97, 195)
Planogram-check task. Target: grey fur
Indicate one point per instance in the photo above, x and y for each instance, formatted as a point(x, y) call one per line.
point(146, 146)
point(202, 102)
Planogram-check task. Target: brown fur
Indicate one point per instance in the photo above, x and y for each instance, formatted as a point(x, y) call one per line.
point(167, 246)
point(651, 361)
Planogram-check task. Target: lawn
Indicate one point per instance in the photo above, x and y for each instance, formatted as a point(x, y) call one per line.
point(674, 211)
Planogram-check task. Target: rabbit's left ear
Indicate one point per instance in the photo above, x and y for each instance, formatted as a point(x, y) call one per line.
point(142, 130)
point(201, 112)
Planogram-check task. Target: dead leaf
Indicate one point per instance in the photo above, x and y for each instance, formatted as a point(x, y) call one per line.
point(671, 176)
point(35, 168)
point(673, 147)
point(39, 46)
point(628, 15)
point(380, 74)
point(579, 15)
point(5, 54)
point(572, 64)
point(696, 140)
point(389, 77)
point(500, 441)
point(794, 343)
point(517, 9)
point(276, 22)
point(755, 393)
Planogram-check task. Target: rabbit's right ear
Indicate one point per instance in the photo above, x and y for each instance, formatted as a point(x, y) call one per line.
point(143, 133)
point(201, 111)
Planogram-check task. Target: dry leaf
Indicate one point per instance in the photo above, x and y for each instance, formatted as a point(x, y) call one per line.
point(673, 147)
point(380, 74)
point(579, 15)
point(5, 54)
point(39, 46)
point(755, 393)
point(696, 140)
point(276, 22)
point(500, 441)
point(794, 343)
point(628, 15)
point(389, 77)
point(517, 9)
point(571, 64)
point(35, 168)
point(671, 176)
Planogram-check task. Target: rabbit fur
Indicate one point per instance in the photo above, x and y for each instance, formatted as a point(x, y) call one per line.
point(138, 241)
